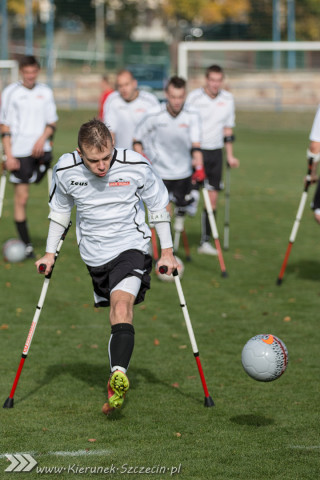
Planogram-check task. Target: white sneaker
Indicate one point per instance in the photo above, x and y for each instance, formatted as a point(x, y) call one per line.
point(207, 249)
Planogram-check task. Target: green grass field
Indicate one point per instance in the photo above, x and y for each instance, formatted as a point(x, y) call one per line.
point(256, 431)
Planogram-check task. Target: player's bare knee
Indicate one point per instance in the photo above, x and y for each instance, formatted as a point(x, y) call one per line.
point(121, 312)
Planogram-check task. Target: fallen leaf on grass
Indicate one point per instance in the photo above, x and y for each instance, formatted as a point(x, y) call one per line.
point(94, 346)
point(85, 305)
point(175, 385)
point(4, 326)
point(58, 332)
point(80, 345)
point(142, 307)
point(156, 342)
point(92, 440)
point(291, 300)
point(18, 311)
point(7, 266)
point(178, 434)
point(8, 284)
point(154, 317)
point(182, 347)
point(238, 256)
point(287, 319)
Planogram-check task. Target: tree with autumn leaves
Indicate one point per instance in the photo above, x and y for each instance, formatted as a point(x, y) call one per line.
point(257, 14)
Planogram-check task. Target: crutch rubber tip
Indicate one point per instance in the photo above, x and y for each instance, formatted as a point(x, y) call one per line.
point(224, 274)
point(279, 281)
point(8, 403)
point(208, 402)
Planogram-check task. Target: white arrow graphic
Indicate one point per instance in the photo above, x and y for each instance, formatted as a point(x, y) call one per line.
point(23, 462)
point(20, 463)
point(32, 463)
point(14, 463)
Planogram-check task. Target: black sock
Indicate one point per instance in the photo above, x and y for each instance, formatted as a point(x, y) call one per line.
point(121, 345)
point(23, 231)
point(205, 226)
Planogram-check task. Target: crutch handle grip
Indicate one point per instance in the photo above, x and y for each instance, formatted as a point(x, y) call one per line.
point(163, 269)
point(42, 267)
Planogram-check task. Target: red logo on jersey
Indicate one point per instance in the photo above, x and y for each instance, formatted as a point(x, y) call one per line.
point(221, 104)
point(119, 183)
point(140, 110)
point(183, 125)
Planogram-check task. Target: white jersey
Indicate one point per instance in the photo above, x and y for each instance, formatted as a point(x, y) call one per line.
point(121, 117)
point(216, 114)
point(110, 210)
point(27, 111)
point(315, 131)
point(167, 141)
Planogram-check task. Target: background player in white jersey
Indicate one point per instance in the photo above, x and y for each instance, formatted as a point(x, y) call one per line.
point(170, 137)
point(217, 112)
point(314, 152)
point(123, 109)
point(28, 119)
point(108, 186)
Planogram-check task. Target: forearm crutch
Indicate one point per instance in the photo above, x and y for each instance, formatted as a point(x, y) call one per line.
point(214, 230)
point(154, 244)
point(10, 400)
point(3, 181)
point(227, 209)
point(208, 401)
point(296, 224)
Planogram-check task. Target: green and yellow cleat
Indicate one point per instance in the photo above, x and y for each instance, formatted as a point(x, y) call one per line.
point(118, 385)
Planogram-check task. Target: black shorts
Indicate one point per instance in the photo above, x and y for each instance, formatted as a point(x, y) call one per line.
point(106, 277)
point(31, 170)
point(179, 191)
point(212, 161)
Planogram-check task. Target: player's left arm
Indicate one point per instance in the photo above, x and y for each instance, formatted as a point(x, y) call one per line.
point(229, 138)
point(50, 128)
point(38, 147)
point(314, 153)
point(156, 198)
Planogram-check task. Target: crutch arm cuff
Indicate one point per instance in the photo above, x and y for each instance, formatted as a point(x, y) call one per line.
point(314, 156)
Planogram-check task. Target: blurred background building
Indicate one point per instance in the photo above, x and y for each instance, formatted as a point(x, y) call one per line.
point(79, 40)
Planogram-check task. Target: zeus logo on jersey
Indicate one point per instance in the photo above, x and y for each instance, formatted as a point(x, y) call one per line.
point(119, 183)
point(81, 184)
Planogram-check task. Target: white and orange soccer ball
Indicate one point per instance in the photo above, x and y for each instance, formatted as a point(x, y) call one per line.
point(265, 357)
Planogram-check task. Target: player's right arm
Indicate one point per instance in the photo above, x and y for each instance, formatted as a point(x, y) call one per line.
point(61, 204)
point(12, 163)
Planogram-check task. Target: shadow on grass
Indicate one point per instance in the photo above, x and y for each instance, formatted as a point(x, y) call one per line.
point(307, 269)
point(252, 420)
point(96, 375)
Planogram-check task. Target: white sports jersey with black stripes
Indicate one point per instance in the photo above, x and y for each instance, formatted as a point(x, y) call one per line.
point(121, 117)
point(110, 209)
point(167, 141)
point(215, 113)
point(315, 131)
point(27, 111)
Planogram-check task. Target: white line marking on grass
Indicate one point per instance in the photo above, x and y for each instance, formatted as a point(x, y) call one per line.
point(305, 447)
point(77, 453)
